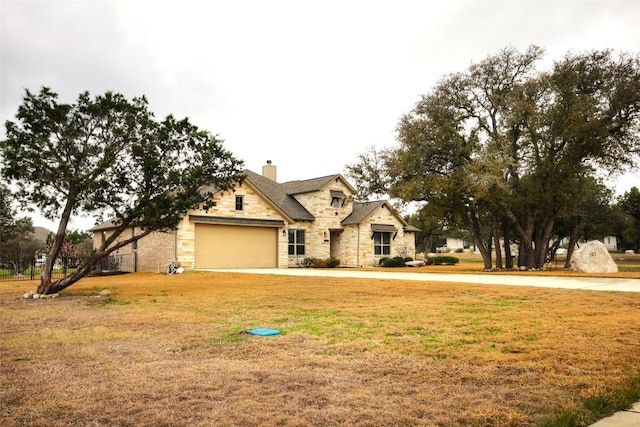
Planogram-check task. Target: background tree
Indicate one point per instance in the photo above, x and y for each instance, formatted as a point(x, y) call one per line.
point(107, 155)
point(9, 227)
point(369, 175)
point(76, 244)
point(629, 203)
point(590, 219)
point(431, 229)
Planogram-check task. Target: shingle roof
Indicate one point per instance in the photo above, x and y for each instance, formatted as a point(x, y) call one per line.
point(361, 210)
point(106, 225)
point(308, 185)
point(279, 196)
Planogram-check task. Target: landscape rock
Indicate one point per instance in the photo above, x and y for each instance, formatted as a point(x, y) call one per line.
point(104, 293)
point(416, 263)
point(593, 257)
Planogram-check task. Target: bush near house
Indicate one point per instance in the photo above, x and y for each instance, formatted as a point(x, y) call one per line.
point(320, 263)
point(442, 260)
point(396, 261)
point(333, 262)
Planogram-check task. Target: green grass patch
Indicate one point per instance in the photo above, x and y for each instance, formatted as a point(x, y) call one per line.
point(598, 404)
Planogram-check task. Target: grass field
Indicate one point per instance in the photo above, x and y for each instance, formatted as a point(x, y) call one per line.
point(172, 351)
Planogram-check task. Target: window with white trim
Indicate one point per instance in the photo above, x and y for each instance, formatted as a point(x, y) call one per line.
point(239, 203)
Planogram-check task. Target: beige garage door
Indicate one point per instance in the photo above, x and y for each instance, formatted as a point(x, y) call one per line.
point(232, 246)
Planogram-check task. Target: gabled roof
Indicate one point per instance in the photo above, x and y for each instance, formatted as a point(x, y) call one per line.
point(315, 184)
point(362, 210)
point(277, 194)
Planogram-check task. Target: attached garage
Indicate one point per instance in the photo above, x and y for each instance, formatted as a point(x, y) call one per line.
point(243, 244)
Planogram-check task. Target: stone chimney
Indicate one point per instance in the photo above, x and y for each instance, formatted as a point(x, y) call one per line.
point(269, 171)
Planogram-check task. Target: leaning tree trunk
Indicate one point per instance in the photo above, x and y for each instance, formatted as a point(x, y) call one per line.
point(45, 286)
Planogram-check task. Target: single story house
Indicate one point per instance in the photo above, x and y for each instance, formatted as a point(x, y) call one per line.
point(265, 224)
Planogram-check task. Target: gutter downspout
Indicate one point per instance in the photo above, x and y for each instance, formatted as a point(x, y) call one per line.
point(358, 251)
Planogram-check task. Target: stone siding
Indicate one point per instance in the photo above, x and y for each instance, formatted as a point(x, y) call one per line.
point(318, 232)
point(358, 239)
point(254, 207)
point(325, 237)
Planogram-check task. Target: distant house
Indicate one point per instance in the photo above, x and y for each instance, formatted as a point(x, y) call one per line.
point(611, 243)
point(262, 223)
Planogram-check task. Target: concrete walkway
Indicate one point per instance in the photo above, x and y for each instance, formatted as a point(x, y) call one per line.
point(584, 283)
point(627, 418)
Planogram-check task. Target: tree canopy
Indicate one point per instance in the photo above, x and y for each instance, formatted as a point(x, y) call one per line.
point(107, 155)
point(505, 148)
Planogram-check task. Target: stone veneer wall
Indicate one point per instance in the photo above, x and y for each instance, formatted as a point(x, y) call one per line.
point(254, 207)
point(356, 245)
point(318, 233)
point(404, 241)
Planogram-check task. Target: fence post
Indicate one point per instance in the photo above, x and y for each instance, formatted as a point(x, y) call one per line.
point(32, 268)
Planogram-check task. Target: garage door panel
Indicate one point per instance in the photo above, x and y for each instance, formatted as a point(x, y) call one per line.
point(228, 246)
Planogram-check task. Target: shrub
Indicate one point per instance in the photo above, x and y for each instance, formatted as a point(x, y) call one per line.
point(399, 260)
point(444, 260)
point(333, 262)
point(390, 262)
point(407, 259)
point(308, 262)
point(382, 260)
point(320, 263)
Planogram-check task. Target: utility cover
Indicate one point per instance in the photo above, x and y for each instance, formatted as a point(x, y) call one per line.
point(264, 332)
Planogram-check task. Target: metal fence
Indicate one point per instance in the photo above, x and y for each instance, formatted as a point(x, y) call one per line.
point(31, 268)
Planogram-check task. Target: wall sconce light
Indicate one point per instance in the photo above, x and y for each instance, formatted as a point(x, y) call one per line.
point(284, 232)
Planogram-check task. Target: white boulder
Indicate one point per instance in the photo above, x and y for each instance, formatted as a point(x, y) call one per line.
point(593, 257)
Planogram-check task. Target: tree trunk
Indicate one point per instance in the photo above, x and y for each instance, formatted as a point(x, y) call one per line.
point(573, 239)
point(507, 245)
point(496, 241)
point(45, 286)
point(542, 242)
point(81, 272)
point(524, 230)
point(489, 251)
point(472, 223)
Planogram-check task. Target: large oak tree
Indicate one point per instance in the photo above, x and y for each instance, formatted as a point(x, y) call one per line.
point(506, 145)
point(107, 155)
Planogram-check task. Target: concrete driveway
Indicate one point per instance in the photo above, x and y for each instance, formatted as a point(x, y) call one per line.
point(584, 283)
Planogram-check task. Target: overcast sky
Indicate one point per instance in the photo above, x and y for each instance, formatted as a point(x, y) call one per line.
point(306, 84)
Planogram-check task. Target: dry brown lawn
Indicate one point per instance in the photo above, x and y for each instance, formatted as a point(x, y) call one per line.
point(172, 351)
